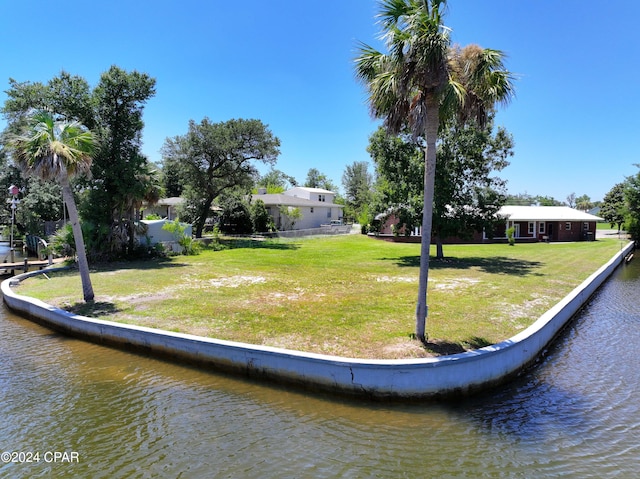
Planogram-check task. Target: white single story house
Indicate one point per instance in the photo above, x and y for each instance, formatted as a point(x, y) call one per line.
point(165, 207)
point(315, 204)
point(547, 223)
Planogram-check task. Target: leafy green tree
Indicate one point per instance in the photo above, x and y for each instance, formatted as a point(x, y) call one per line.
point(9, 175)
point(113, 111)
point(521, 199)
point(23, 97)
point(399, 169)
point(422, 79)
point(290, 216)
point(548, 201)
point(357, 183)
point(467, 194)
point(632, 199)
point(214, 157)
point(41, 203)
point(119, 97)
point(315, 179)
point(261, 220)
point(67, 95)
point(178, 230)
point(614, 207)
point(275, 181)
point(236, 215)
point(525, 199)
point(171, 179)
point(584, 203)
point(57, 151)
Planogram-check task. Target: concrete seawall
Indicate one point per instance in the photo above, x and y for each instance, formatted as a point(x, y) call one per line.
point(381, 379)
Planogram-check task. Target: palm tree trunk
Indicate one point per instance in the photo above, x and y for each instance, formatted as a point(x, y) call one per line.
point(431, 134)
point(83, 264)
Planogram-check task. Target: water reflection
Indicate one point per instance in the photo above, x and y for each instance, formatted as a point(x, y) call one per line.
point(574, 415)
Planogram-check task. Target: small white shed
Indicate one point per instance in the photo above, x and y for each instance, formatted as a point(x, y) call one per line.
point(156, 234)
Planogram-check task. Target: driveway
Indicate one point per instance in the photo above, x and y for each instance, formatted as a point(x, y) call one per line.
point(611, 234)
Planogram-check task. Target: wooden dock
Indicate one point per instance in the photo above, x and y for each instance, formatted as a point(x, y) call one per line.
point(25, 265)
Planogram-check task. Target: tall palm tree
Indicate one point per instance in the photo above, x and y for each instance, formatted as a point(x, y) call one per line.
point(144, 186)
point(58, 151)
point(421, 82)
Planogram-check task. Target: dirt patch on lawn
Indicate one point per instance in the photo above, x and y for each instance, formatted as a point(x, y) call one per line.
point(455, 283)
point(403, 348)
point(222, 282)
point(396, 279)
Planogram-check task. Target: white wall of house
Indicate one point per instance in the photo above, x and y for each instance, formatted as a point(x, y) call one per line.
point(313, 217)
point(313, 194)
point(156, 234)
point(316, 207)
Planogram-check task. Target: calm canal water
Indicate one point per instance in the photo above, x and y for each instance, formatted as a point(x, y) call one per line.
point(111, 414)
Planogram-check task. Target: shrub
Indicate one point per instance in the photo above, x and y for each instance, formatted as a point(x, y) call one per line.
point(62, 242)
point(189, 245)
point(260, 218)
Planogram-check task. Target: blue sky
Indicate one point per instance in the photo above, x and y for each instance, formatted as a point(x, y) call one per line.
point(289, 63)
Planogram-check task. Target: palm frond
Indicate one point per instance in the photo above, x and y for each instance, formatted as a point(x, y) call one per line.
point(50, 149)
point(392, 12)
point(415, 66)
point(485, 78)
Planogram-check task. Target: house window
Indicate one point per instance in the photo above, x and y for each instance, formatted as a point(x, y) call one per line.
point(585, 226)
point(329, 213)
point(531, 227)
point(321, 198)
point(541, 227)
point(567, 226)
point(312, 209)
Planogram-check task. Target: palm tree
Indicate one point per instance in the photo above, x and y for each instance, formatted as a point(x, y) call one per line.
point(421, 82)
point(145, 187)
point(58, 151)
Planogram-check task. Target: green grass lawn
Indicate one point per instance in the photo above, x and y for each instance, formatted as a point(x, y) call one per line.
point(344, 295)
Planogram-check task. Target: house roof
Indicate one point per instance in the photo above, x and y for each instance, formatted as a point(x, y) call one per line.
point(545, 213)
point(278, 199)
point(312, 190)
point(173, 201)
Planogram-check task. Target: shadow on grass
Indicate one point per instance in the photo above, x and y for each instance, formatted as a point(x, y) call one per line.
point(138, 264)
point(494, 265)
point(171, 262)
point(444, 348)
point(257, 243)
point(94, 309)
